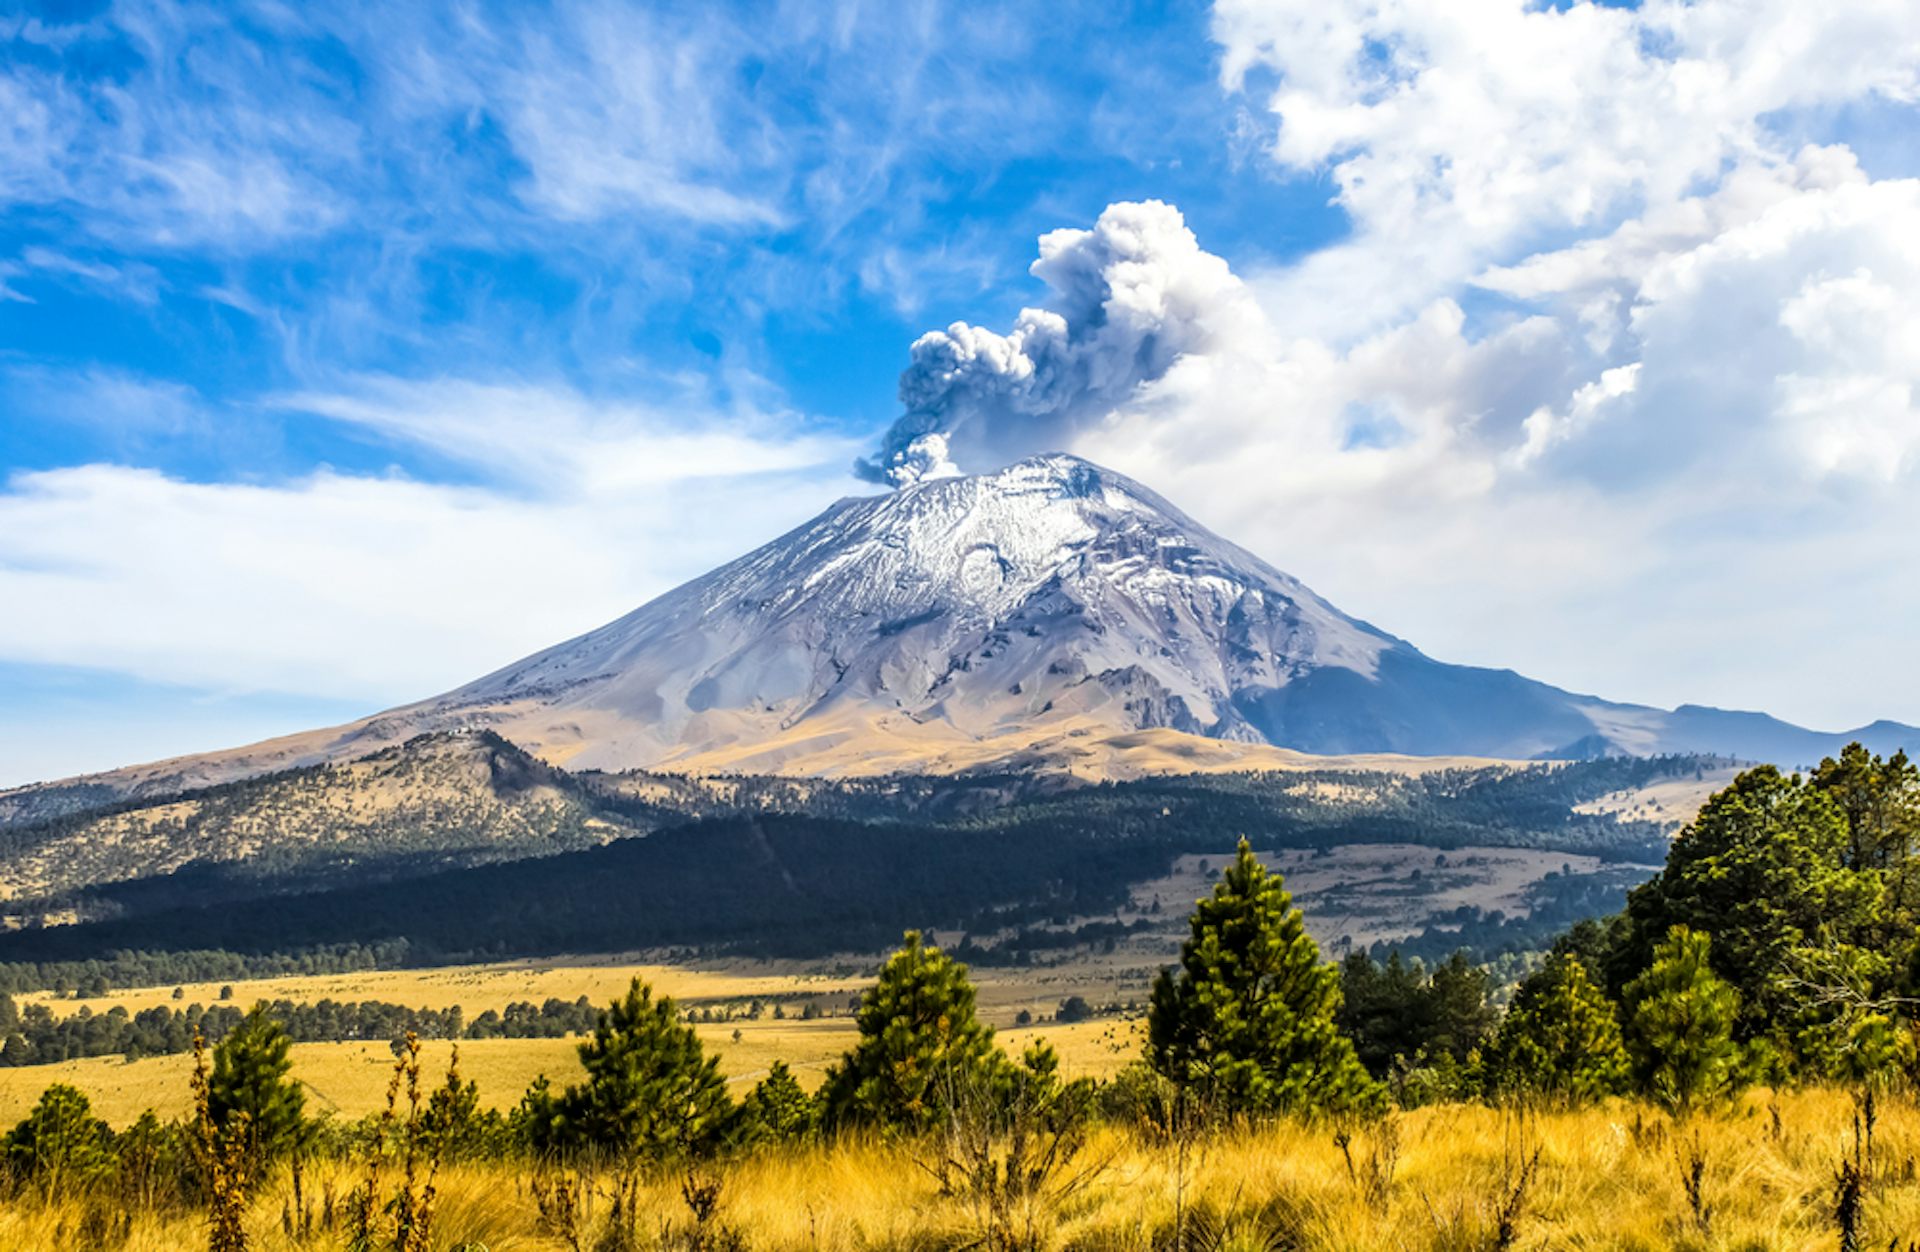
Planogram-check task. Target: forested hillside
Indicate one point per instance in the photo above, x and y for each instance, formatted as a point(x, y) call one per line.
point(398, 848)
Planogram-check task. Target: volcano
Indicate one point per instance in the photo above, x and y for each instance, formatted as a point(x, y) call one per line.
point(1051, 609)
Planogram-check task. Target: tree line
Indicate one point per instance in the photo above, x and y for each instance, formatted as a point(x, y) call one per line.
point(165, 967)
point(36, 1036)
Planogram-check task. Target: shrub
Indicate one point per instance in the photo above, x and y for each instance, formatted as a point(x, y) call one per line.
point(61, 1143)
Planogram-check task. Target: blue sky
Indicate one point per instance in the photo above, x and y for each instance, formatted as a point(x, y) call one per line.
point(260, 206)
point(347, 351)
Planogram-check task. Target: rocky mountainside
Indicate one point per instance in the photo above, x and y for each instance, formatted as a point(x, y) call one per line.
point(1050, 612)
point(460, 798)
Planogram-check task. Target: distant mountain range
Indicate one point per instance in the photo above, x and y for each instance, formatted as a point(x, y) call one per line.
point(1053, 615)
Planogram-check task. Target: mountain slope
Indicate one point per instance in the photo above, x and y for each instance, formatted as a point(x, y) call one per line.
point(972, 606)
point(805, 866)
point(1032, 617)
point(1051, 597)
point(451, 799)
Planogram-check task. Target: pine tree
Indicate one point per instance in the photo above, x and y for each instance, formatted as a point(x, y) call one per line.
point(1763, 870)
point(1248, 1023)
point(920, 1044)
point(1681, 1017)
point(651, 1091)
point(1459, 1008)
point(1034, 1093)
point(1880, 800)
point(452, 1121)
point(537, 1123)
point(1384, 1009)
point(778, 1109)
point(249, 1081)
point(61, 1143)
point(1561, 1037)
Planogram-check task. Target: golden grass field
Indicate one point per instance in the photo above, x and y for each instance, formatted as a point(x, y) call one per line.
point(1608, 1178)
point(349, 1080)
point(477, 988)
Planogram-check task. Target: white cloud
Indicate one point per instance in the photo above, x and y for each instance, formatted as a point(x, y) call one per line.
point(1721, 378)
point(385, 588)
point(1604, 365)
point(1457, 133)
point(553, 439)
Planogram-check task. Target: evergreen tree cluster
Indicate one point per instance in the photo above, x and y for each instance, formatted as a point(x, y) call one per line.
point(1780, 943)
point(1423, 1030)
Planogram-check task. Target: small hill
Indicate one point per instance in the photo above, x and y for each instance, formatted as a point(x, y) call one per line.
point(455, 798)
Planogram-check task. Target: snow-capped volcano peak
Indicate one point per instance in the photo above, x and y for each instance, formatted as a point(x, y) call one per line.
point(1053, 614)
point(1051, 589)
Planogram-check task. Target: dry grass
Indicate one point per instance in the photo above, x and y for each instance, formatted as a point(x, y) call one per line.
point(349, 1079)
point(1670, 801)
point(1606, 1178)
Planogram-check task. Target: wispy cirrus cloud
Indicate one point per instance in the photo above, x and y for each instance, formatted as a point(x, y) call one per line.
point(287, 123)
point(424, 189)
